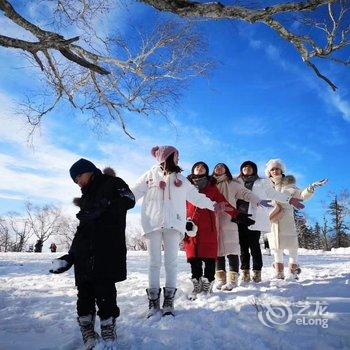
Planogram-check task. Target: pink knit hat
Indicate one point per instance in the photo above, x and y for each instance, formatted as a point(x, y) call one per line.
point(161, 153)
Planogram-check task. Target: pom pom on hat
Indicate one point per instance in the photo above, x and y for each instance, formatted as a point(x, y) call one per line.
point(109, 171)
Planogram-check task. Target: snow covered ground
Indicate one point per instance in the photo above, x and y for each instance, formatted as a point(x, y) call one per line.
point(37, 309)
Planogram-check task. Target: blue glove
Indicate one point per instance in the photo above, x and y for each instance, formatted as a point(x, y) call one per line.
point(265, 203)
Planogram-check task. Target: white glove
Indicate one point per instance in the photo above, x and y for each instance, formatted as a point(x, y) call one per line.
point(317, 184)
point(191, 228)
point(62, 264)
point(58, 264)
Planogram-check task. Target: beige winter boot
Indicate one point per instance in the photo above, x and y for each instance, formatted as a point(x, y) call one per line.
point(246, 276)
point(294, 270)
point(232, 279)
point(220, 278)
point(256, 276)
point(279, 267)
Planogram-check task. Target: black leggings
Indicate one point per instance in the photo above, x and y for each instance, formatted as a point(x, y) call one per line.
point(103, 294)
point(197, 268)
point(250, 245)
point(233, 263)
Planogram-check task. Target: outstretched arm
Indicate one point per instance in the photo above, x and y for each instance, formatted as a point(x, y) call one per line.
point(282, 197)
point(277, 196)
point(219, 198)
point(123, 192)
point(246, 194)
point(200, 200)
point(317, 184)
point(140, 188)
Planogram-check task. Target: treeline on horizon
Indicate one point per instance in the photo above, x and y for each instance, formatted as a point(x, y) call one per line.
point(47, 223)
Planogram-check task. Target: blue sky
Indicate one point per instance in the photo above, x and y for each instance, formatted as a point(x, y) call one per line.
point(260, 102)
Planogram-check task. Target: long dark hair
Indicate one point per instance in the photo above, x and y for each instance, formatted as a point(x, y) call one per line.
point(227, 170)
point(169, 165)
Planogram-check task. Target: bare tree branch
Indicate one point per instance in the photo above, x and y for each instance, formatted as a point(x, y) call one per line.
point(22, 230)
point(336, 38)
point(107, 75)
point(216, 10)
point(334, 88)
point(66, 234)
point(44, 221)
point(5, 236)
point(95, 79)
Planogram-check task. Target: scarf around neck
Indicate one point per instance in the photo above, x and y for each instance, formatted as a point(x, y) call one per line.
point(223, 185)
point(249, 181)
point(200, 182)
point(277, 182)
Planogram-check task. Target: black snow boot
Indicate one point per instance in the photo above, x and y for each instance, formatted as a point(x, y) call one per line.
point(87, 328)
point(153, 301)
point(207, 287)
point(168, 303)
point(197, 288)
point(108, 332)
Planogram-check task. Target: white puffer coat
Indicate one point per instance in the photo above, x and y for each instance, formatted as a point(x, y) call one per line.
point(228, 231)
point(166, 208)
point(263, 189)
point(283, 233)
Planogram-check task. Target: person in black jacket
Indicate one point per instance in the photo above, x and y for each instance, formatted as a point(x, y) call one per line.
point(98, 250)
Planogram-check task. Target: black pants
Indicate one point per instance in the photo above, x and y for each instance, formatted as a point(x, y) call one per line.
point(197, 268)
point(250, 245)
point(233, 263)
point(103, 294)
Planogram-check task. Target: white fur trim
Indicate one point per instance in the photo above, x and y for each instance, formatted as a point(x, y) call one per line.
point(193, 232)
point(274, 163)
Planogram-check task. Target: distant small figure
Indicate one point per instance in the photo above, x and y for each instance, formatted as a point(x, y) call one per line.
point(53, 247)
point(30, 248)
point(38, 246)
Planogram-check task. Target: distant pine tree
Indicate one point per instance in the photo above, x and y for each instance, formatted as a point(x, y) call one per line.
point(305, 232)
point(317, 237)
point(338, 212)
point(326, 245)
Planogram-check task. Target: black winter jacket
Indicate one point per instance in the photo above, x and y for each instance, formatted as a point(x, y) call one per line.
point(98, 249)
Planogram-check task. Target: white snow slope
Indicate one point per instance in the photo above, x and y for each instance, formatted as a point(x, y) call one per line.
point(37, 309)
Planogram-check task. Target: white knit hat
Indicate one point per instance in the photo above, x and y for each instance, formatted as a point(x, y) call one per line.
point(275, 163)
